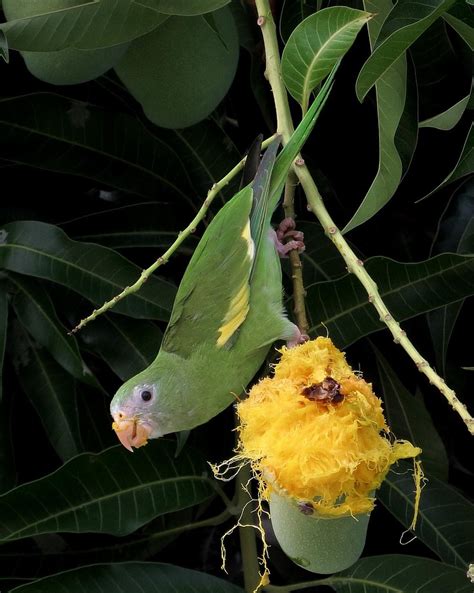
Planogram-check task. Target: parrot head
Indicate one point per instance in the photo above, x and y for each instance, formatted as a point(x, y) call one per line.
point(149, 405)
point(132, 409)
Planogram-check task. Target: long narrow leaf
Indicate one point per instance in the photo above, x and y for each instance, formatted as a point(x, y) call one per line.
point(53, 393)
point(207, 152)
point(455, 233)
point(147, 225)
point(409, 419)
point(342, 306)
point(446, 519)
point(45, 251)
point(183, 7)
point(7, 466)
point(36, 312)
point(41, 560)
point(89, 25)
point(448, 118)
point(53, 132)
point(136, 576)
point(3, 330)
point(390, 90)
point(127, 345)
point(316, 45)
point(461, 19)
point(112, 492)
point(395, 573)
point(464, 165)
point(403, 26)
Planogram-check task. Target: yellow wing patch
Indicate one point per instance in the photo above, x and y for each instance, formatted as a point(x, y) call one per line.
point(239, 307)
point(248, 238)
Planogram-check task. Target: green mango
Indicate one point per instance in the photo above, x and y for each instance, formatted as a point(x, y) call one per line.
point(319, 544)
point(67, 66)
point(180, 72)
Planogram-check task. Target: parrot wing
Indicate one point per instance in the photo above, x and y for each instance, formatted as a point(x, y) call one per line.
point(213, 297)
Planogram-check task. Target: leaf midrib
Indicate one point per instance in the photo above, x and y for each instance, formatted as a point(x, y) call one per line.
point(438, 533)
point(96, 501)
point(74, 434)
point(50, 322)
point(306, 93)
point(75, 266)
point(467, 260)
point(97, 151)
point(129, 341)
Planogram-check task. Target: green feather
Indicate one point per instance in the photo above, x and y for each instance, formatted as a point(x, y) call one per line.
point(228, 309)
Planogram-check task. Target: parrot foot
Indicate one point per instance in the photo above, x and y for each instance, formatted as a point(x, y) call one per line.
point(286, 230)
point(297, 339)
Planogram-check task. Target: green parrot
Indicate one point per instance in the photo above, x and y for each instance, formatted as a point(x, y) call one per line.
point(227, 313)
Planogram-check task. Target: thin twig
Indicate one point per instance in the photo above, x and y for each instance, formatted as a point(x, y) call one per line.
point(299, 292)
point(183, 235)
point(354, 265)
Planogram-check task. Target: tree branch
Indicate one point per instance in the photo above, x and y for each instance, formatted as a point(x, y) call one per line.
point(354, 265)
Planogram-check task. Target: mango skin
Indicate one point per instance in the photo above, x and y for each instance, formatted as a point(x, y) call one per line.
point(67, 66)
point(320, 545)
point(180, 72)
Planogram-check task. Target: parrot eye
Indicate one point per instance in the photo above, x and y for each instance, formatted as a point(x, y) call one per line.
point(146, 395)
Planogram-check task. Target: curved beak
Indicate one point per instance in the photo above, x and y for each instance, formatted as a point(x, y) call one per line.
point(130, 432)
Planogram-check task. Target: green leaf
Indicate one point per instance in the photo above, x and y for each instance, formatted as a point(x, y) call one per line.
point(292, 13)
point(53, 132)
point(127, 345)
point(390, 90)
point(4, 47)
point(409, 419)
point(3, 330)
point(91, 25)
point(112, 492)
point(446, 519)
point(40, 559)
point(448, 118)
point(406, 137)
point(37, 314)
point(183, 7)
point(207, 153)
point(393, 573)
point(443, 69)
point(7, 466)
point(455, 233)
point(315, 46)
point(342, 306)
point(406, 22)
point(132, 576)
point(53, 394)
point(45, 251)
point(461, 19)
point(147, 225)
point(464, 164)
point(441, 323)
